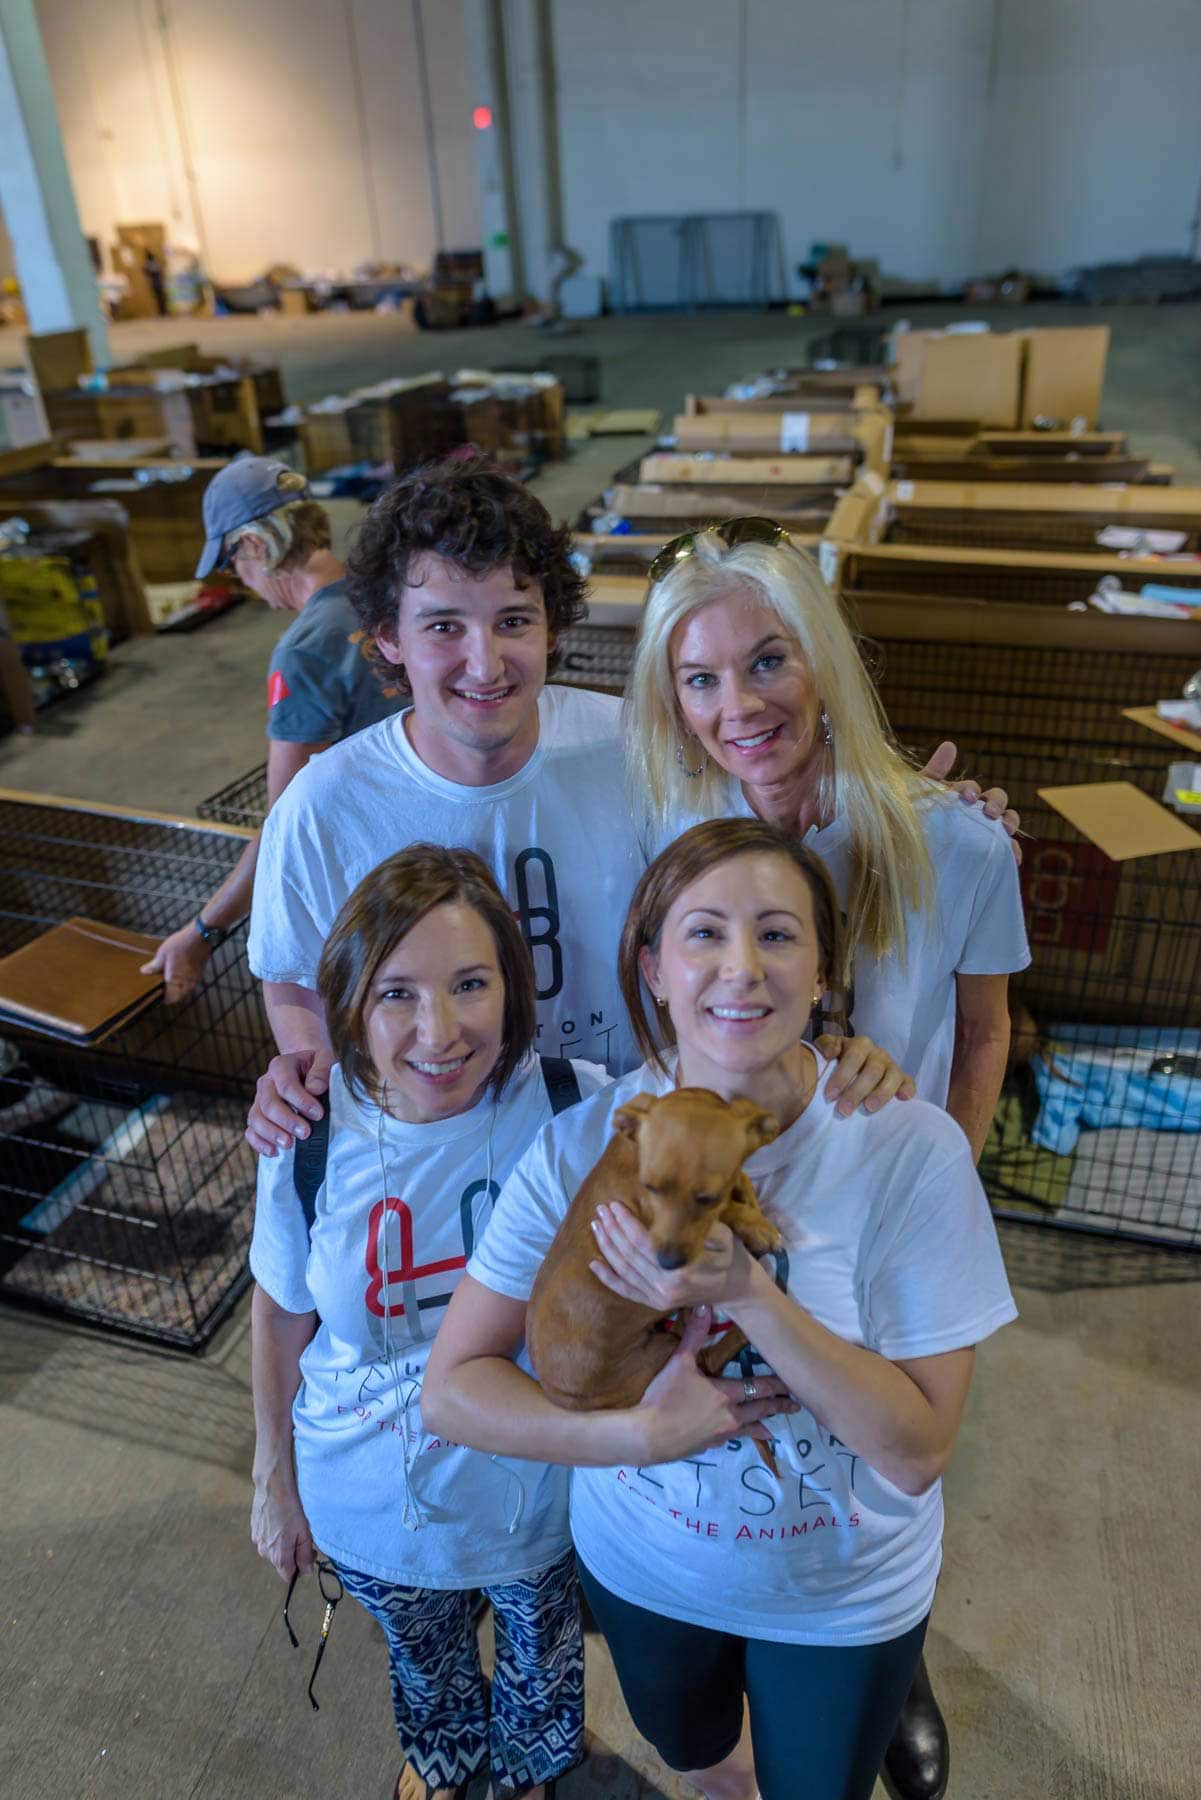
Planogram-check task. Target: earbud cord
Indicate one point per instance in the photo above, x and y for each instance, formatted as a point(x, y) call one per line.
point(413, 1516)
point(509, 1474)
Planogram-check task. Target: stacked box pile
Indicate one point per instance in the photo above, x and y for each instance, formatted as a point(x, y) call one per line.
point(406, 421)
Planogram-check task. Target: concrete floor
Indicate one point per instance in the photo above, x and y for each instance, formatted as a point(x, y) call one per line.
point(141, 1650)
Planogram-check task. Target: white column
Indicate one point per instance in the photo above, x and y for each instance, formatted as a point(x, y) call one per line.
point(58, 283)
point(500, 225)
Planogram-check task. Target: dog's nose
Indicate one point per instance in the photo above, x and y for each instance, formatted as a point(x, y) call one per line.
point(671, 1259)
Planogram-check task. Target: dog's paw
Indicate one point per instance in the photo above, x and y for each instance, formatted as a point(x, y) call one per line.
point(759, 1235)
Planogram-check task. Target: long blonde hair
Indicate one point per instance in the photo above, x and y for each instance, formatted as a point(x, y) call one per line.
point(866, 778)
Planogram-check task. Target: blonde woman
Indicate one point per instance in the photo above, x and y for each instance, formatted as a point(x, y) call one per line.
point(748, 696)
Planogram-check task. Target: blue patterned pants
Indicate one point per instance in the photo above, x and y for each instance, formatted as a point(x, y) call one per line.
point(535, 1727)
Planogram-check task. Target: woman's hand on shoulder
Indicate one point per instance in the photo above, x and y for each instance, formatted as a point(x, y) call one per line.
point(994, 800)
point(686, 1411)
point(864, 1075)
point(279, 1530)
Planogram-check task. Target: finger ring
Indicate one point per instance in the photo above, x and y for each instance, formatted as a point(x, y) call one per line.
point(750, 1391)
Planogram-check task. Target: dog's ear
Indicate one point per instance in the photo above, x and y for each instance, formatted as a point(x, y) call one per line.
point(761, 1127)
point(629, 1117)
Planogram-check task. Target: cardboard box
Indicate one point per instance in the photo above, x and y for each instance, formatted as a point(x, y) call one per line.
point(1114, 921)
point(124, 413)
point(22, 415)
point(326, 441)
point(59, 358)
point(1033, 578)
point(781, 471)
point(677, 505)
point(1047, 517)
point(1002, 379)
point(294, 302)
point(1064, 374)
point(977, 375)
point(1051, 443)
point(767, 434)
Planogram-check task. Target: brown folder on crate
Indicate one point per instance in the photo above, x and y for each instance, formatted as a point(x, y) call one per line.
point(80, 980)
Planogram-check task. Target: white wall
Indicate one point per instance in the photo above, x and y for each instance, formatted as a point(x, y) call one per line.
point(1094, 149)
point(944, 137)
point(263, 96)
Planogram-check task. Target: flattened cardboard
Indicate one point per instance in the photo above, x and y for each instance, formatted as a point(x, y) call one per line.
point(1065, 373)
point(80, 979)
point(1179, 735)
point(629, 421)
point(974, 375)
point(1120, 819)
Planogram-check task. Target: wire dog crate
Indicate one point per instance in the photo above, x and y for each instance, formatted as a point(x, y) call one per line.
point(126, 1190)
point(1002, 529)
point(966, 577)
point(1004, 675)
point(243, 802)
point(1099, 1123)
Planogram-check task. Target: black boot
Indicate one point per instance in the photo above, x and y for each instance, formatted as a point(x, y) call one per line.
point(918, 1759)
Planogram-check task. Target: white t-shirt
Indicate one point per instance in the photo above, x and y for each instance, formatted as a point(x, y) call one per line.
point(889, 1243)
point(975, 927)
point(558, 836)
point(380, 1270)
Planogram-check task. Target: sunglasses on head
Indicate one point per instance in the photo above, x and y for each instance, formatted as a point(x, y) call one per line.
point(732, 532)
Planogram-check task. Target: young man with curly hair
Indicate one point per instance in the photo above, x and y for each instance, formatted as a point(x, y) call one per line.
point(464, 583)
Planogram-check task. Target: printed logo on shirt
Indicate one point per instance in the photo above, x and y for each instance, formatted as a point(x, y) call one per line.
point(277, 689)
point(392, 1264)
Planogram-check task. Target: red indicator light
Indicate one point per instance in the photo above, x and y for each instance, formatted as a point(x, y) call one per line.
point(481, 118)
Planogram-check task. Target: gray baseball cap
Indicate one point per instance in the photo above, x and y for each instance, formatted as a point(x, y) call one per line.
point(248, 488)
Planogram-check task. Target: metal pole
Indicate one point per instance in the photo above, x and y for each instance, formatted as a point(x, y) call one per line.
point(431, 142)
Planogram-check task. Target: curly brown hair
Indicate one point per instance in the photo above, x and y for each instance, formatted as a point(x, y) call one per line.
point(474, 514)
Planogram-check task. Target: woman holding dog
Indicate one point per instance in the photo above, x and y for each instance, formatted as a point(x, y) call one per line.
point(748, 695)
point(428, 987)
point(807, 1590)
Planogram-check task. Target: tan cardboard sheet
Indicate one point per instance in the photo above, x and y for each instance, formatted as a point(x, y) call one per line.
point(1120, 819)
point(1175, 734)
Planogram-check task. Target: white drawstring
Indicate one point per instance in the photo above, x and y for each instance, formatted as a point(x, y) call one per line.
point(414, 1514)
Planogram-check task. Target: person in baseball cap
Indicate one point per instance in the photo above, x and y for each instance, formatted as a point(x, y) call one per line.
point(247, 489)
point(262, 524)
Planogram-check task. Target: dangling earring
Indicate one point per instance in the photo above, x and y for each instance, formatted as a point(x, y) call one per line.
point(691, 773)
point(827, 728)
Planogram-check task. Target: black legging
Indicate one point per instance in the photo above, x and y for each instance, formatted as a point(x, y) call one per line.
point(821, 1716)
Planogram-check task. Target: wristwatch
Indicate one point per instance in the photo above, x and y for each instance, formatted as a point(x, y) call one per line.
point(213, 935)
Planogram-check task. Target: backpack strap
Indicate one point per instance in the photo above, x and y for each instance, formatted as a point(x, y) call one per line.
point(308, 1167)
point(562, 1083)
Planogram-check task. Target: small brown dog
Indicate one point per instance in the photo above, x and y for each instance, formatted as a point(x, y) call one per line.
point(674, 1162)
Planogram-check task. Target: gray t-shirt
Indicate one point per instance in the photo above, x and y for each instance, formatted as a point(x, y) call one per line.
point(320, 686)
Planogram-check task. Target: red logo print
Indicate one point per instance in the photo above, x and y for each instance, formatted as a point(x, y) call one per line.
point(380, 1303)
point(277, 689)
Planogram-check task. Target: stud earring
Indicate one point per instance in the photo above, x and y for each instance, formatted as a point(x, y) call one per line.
point(691, 773)
point(827, 728)
point(660, 1000)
